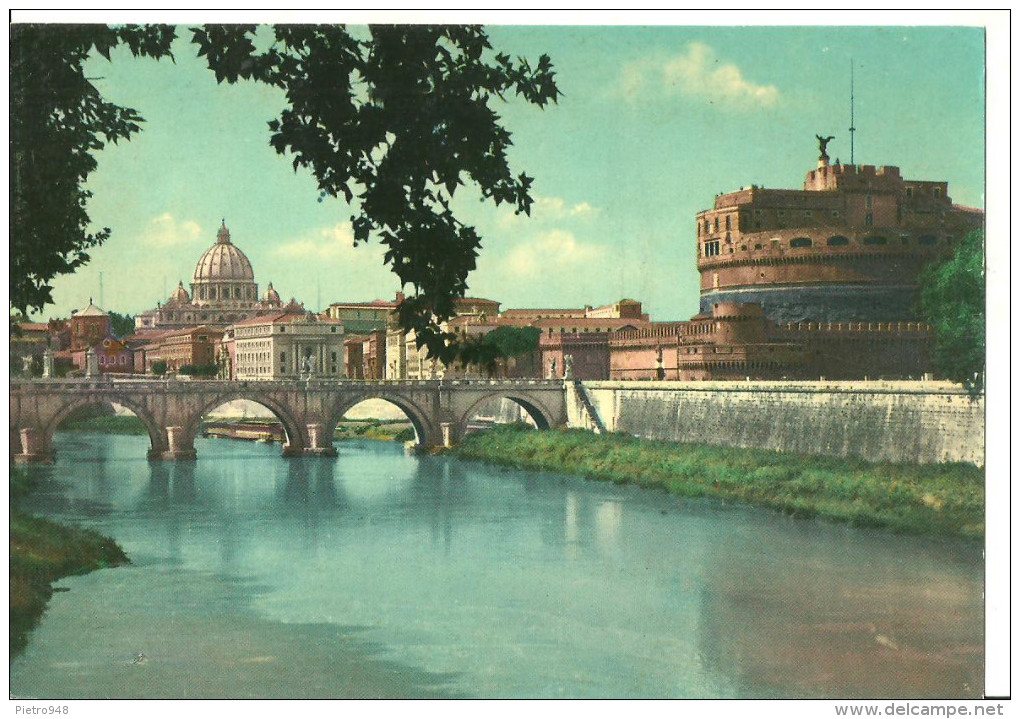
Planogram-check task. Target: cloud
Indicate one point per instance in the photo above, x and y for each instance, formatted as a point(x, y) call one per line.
point(554, 249)
point(327, 243)
point(548, 210)
point(697, 73)
point(165, 231)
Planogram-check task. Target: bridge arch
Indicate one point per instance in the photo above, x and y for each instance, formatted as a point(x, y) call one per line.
point(294, 432)
point(157, 437)
point(539, 413)
point(425, 429)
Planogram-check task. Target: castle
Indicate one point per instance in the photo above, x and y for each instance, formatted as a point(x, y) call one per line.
point(848, 247)
point(797, 284)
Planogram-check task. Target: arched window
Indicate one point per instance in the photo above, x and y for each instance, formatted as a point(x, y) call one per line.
point(800, 242)
point(838, 241)
point(874, 240)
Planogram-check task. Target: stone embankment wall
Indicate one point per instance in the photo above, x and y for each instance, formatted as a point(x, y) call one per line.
point(916, 422)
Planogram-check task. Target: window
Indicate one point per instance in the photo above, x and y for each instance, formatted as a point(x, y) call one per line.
point(910, 192)
point(838, 241)
point(800, 242)
point(283, 357)
point(938, 193)
point(868, 201)
point(716, 224)
point(332, 329)
point(712, 248)
point(874, 240)
point(728, 222)
point(283, 329)
point(868, 219)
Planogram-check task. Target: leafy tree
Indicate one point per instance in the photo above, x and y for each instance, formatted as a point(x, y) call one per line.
point(499, 345)
point(58, 122)
point(159, 368)
point(514, 341)
point(953, 302)
point(121, 325)
point(395, 119)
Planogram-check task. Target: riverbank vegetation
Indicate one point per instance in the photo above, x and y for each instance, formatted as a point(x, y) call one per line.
point(42, 552)
point(945, 499)
point(113, 424)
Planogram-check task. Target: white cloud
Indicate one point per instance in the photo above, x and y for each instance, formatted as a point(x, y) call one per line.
point(697, 73)
point(549, 209)
point(557, 250)
point(327, 244)
point(166, 231)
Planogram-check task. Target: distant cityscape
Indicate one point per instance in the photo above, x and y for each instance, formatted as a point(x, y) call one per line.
point(813, 283)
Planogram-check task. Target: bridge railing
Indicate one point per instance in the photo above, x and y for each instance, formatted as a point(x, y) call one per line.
point(140, 384)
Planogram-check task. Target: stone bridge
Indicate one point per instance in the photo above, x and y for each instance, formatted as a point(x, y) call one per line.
point(309, 410)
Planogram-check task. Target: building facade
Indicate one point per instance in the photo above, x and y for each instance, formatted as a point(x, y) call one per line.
point(287, 346)
point(89, 327)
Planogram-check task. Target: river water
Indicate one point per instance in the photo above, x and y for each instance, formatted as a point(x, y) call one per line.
point(377, 574)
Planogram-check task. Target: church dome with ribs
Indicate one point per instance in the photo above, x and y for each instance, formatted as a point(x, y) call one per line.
point(223, 275)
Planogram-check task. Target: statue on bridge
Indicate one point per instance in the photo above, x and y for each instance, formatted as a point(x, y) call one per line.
point(568, 366)
point(551, 374)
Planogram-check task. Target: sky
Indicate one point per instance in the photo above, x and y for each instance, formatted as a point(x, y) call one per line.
point(653, 123)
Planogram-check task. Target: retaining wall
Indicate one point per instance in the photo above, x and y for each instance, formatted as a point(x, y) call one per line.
point(917, 422)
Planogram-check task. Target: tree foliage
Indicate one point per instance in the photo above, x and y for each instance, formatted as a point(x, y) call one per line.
point(121, 325)
point(501, 344)
point(395, 121)
point(953, 302)
point(58, 122)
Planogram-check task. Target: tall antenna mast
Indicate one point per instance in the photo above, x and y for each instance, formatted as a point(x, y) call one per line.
point(852, 128)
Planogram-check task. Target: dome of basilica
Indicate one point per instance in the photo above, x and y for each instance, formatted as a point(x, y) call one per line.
point(223, 262)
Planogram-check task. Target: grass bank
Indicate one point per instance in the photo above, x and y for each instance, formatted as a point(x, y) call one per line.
point(945, 499)
point(114, 424)
point(42, 552)
point(393, 430)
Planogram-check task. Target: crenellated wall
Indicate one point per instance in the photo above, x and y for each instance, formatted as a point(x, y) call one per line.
point(914, 422)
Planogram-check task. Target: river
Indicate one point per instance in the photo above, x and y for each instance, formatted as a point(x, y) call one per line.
point(378, 574)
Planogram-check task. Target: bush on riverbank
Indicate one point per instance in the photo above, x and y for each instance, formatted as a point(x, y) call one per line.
point(42, 552)
point(930, 499)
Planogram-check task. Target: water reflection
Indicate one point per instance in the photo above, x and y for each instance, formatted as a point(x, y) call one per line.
point(515, 584)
